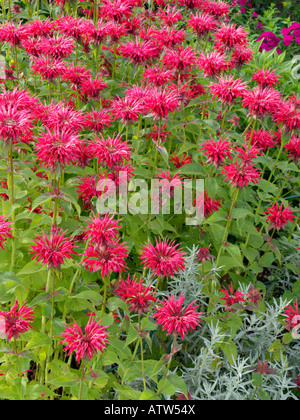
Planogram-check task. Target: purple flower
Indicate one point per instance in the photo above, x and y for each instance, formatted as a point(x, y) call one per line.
point(254, 14)
point(270, 41)
point(288, 40)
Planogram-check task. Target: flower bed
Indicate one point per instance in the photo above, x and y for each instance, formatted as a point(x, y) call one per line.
point(149, 175)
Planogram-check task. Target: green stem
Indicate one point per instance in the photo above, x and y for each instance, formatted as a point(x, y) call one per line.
point(81, 380)
point(227, 225)
point(168, 365)
point(16, 352)
point(142, 354)
point(12, 200)
point(267, 249)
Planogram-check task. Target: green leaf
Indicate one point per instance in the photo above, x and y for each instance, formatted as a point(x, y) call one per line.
point(179, 383)
point(32, 267)
point(41, 199)
point(38, 340)
point(115, 303)
point(230, 351)
point(132, 335)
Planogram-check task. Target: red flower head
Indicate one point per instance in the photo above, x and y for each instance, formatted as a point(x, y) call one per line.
point(241, 175)
point(164, 258)
point(127, 109)
point(254, 295)
point(5, 231)
point(54, 250)
point(110, 151)
point(16, 321)
point(217, 151)
point(202, 24)
point(217, 9)
point(265, 78)
point(246, 153)
point(102, 230)
point(48, 68)
point(168, 37)
point(175, 318)
point(209, 206)
point(133, 292)
point(292, 314)
point(180, 59)
point(3, 184)
point(39, 28)
point(65, 118)
point(227, 89)
point(232, 298)
point(261, 101)
point(262, 139)
point(97, 120)
point(228, 37)
point(116, 9)
point(178, 163)
point(204, 255)
point(60, 147)
point(293, 147)
point(240, 55)
point(91, 88)
point(191, 4)
point(168, 183)
point(263, 369)
point(13, 122)
point(115, 31)
point(139, 52)
point(278, 216)
point(159, 137)
point(157, 76)
point(85, 344)
point(212, 63)
point(76, 74)
point(57, 47)
point(89, 188)
point(170, 16)
point(288, 115)
point(12, 34)
point(106, 258)
point(161, 102)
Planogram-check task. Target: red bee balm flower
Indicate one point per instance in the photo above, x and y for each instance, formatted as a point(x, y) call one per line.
point(278, 216)
point(229, 36)
point(265, 78)
point(101, 230)
point(110, 151)
point(232, 298)
point(138, 296)
point(228, 89)
point(293, 147)
point(16, 321)
point(161, 102)
point(261, 101)
point(216, 151)
point(292, 314)
point(201, 23)
point(164, 258)
point(62, 147)
point(53, 251)
point(5, 231)
point(85, 344)
point(176, 319)
point(107, 258)
point(240, 175)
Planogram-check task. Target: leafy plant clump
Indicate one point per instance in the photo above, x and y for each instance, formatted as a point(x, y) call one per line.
point(149, 183)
